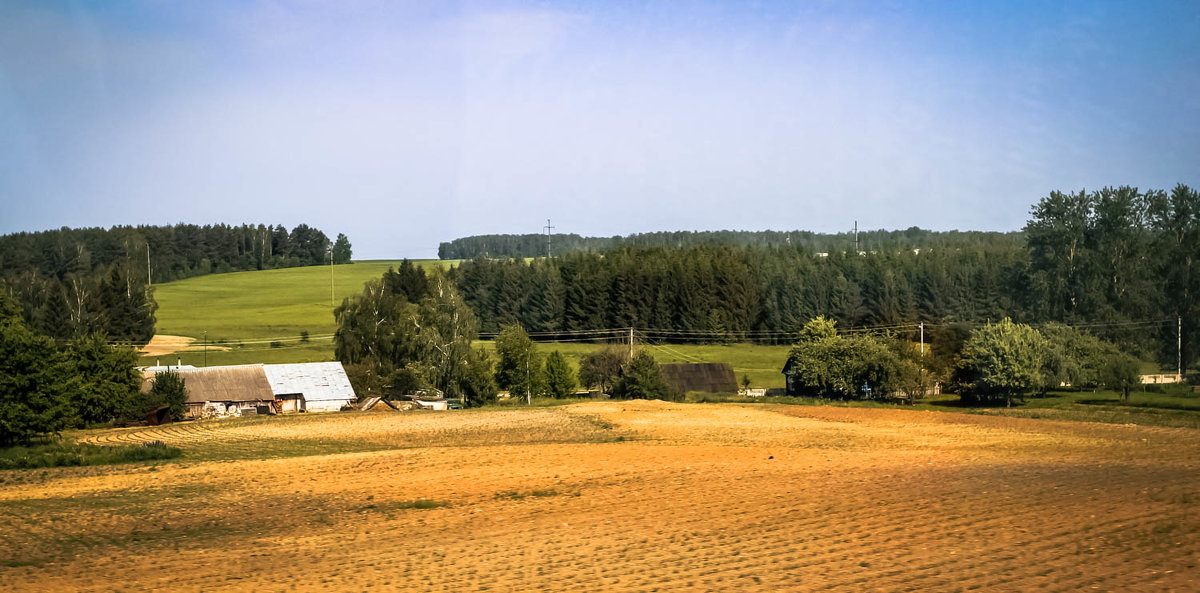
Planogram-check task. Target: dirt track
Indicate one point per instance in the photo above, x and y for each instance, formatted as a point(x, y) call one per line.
point(699, 497)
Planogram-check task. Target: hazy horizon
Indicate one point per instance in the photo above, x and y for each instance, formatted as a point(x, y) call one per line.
point(404, 126)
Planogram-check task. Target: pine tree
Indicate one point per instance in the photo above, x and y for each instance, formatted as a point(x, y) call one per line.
point(560, 379)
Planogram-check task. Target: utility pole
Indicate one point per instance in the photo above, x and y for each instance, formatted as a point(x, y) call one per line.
point(1179, 346)
point(330, 276)
point(548, 229)
point(148, 281)
point(922, 338)
point(631, 344)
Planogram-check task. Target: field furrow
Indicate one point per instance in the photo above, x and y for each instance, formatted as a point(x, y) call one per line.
point(628, 496)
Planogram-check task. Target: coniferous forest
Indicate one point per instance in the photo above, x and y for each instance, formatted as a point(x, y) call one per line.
point(531, 245)
point(70, 282)
point(1123, 263)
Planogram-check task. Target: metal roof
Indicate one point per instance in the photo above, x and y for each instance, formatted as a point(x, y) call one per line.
point(317, 381)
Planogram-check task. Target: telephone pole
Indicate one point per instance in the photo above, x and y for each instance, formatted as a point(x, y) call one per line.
point(548, 229)
point(856, 237)
point(330, 276)
point(148, 281)
point(1179, 346)
point(922, 338)
point(631, 344)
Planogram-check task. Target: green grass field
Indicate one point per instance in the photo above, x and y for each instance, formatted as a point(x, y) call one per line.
point(259, 316)
point(268, 304)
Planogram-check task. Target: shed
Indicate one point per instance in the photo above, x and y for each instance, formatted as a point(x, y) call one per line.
point(707, 377)
point(310, 386)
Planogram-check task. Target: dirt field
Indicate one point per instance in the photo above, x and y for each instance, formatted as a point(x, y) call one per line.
point(161, 345)
point(619, 496)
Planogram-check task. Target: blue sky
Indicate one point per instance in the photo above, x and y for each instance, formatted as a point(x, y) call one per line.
point(403, 124)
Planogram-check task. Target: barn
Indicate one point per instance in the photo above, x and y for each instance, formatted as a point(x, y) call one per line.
point(261, 389)
point(310, 386)
point(225, 391)
point(708, 377)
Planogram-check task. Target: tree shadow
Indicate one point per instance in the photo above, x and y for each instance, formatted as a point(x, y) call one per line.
point(962, 404)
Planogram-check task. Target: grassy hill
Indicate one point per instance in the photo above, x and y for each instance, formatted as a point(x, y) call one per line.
point(258, 316)
point(263, 304)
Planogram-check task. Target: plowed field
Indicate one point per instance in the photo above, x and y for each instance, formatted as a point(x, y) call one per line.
point(619, 496)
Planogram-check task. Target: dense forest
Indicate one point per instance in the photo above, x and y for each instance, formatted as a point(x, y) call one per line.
point(522, 246)
point(74, 281)
point(1119, 261)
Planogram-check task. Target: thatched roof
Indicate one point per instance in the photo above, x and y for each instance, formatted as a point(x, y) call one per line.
point(708, 377)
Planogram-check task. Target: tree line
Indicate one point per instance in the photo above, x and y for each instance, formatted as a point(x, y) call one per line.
point(993, 362)
point(1122, 261)
point(765, 294)
point(534, 245)
point(47, 386)
point(70, 282)
point(410, 332)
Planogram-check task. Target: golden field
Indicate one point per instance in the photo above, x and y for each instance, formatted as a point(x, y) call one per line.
point(618, 496)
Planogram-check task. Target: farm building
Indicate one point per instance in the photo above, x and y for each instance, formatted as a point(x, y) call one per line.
point(262, 389)
point(708, 377)
point(223, 391)
point(310, 387)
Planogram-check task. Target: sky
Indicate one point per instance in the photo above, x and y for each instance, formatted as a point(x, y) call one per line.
point(405, 124)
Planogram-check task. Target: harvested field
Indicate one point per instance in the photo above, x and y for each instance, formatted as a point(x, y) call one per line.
point(162, 344)
point(618, 496)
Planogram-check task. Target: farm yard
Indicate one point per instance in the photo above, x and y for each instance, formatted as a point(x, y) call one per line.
point(617, 496)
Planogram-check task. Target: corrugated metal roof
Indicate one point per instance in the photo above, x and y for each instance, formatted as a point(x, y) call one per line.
point(317, 381)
